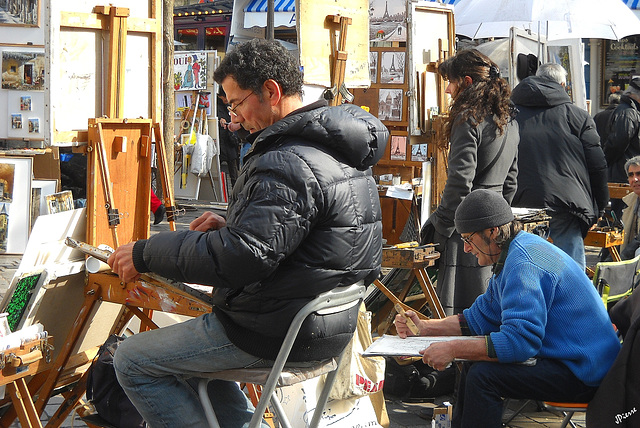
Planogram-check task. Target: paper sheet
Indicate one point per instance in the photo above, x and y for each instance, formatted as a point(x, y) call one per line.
point(392, 346)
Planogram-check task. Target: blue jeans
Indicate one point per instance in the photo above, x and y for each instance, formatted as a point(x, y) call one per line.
point(483, 385)
point(566, 231)
point(158, 370)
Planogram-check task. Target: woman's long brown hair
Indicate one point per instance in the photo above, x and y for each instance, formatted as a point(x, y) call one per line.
point(487, 94)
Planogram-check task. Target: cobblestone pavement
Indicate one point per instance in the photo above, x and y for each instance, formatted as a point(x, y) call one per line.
point(401, 414)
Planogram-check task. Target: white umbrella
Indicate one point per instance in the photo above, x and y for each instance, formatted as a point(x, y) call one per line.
point(555, 19)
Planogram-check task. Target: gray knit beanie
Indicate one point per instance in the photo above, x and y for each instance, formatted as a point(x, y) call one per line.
point(482, 209)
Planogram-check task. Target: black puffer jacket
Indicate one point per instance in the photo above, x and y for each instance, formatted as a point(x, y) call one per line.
point(622, 142)
point(304, 218)
point(561, 166)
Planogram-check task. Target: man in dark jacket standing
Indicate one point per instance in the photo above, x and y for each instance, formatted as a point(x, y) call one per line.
point(561, 166)
point(603, 118)
point(304, 218)
point(622, 142)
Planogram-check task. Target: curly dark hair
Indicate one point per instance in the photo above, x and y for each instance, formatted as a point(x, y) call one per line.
point(488, 94)
point(254, 62)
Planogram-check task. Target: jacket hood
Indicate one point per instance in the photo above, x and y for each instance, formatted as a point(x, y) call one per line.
point(357, 136)
point(535, 91)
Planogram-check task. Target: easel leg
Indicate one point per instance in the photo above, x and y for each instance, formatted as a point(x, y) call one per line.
point(430, 293)
point(63, 357)
point(21, 399)
point(167, 190)
point(71, 400)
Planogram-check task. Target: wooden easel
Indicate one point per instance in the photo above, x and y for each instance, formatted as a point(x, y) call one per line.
point(118, 149)
point(18, 363)
point(416, 260)
point(339, 24)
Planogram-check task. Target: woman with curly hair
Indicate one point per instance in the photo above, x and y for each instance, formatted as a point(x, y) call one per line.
point(483, 151)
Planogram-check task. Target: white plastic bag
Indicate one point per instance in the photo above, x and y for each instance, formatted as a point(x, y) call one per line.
point(203, 153)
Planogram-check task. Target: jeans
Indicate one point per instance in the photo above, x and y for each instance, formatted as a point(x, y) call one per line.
point(483, 385)
point(566, 232)
point(158, 370)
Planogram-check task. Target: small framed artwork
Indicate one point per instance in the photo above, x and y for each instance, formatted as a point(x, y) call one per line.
point(390, 104)
point(16, 121)
point(419, 153)
point(22, 70)
point(398, 147)
point(373, 66)
point(15, 201)
point(34, 125)
point(59, 202)
point(392, 68)
point(190, 70)
point(25, 103)
point(24, 13)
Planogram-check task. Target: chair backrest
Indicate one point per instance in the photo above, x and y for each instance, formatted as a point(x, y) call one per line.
point(335, 300)
point(614, 280)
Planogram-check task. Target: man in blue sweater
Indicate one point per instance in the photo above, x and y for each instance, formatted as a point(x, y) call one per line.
point(543, 330)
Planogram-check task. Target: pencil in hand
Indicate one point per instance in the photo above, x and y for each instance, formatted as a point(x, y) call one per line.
point(412, 326)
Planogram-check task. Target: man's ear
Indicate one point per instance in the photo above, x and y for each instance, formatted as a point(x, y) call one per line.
point(467, 81)
point(273, 91)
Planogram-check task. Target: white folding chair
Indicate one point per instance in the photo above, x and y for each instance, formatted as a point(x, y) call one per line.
point(278, 375)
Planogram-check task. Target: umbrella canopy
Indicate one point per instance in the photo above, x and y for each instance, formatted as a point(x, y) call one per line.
point(555, 19)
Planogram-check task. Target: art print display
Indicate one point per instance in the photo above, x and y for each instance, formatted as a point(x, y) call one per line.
point(23, 70)
point(34, 125)
point(190, 71)
point(387, 21)
point(59, 202)
point(390, 104)
point(392, 67)
point(24, 13)
point(373, 66)
point(25, 103)
point(15, 200)
point(398, 147)
point(16, 121)
point(419, 153)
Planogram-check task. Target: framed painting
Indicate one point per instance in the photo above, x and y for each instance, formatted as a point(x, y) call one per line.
point(390, 104)
point(398, 147)
point(373, 66)
point(392, 70)
point(23, 71)
point(25, 13)
point(15, 201)
point(190, 71)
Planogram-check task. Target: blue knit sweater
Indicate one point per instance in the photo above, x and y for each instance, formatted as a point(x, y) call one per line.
point(541, 304)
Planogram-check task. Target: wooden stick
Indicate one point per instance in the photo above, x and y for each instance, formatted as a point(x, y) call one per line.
point(106, 184)
point(163, 168)
point(412, 326)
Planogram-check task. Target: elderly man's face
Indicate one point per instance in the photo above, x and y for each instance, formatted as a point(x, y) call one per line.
point(634, 178)
point(482, 245)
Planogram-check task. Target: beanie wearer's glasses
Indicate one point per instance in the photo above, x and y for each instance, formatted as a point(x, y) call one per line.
point(467, 239)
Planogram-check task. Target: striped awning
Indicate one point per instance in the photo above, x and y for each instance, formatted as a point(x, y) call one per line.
point(255, 13)
point(633, 4)
point(279, 6)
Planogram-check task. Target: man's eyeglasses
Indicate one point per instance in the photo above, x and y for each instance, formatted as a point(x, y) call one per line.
point(467, 240)
point(233, 110)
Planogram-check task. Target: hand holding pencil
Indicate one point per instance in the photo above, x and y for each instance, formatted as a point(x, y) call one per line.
point(406, 322)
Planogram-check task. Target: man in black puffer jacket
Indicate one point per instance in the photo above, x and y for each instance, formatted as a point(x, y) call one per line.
point(304, 217)
point(561, 166)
